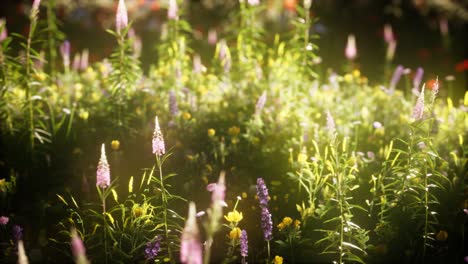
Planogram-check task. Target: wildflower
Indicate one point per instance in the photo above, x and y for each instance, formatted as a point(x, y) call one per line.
point(301, 157)
point(158, 140)
point(267, 224)
point(297, 224)
point(253, 2)
point(391, 50)
point(262, 192)
point(35, 6)
point(115, 144)
point(17, 233)
point(278, 260)
point(260, 103)
point(76, 62)
point(121, 18)
point(65, 51)
point(172, 10)
point(307, 4)
point(435, 89)
point(218, 191)
point(83, 114)
point(377, 124)
point(234, 131)
point(78, 248)
point(351, 51)
point(244, 244)
point(186, 116)
point(224, 55)
point(418, 110)
point(173, 108)
point(418, 77)
point(331, 126)
point(22, 258)
point(235, 233)
point(211, 132)
point(190, 247)
point(234, 216)
point(442, 235)
point(152, 248)
point(212, 37)
point(3, 32)
point(396, 76)
point(103, 172)
point(84, 62)
point(4, 220)
point(388, 34)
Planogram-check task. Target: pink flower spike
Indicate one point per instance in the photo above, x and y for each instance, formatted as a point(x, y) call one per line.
point(121, 18)
point(351, 50)
point(219, 191)
point(418, 110)
point(3, 33)
point(190, 246)
point(36, 4)
point(103, 171)
point(4, 220)
point(158, 140)
point(388, 33)
point(172, 10)
point(22, 258)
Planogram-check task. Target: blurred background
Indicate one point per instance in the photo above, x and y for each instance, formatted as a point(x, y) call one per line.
point(432, 34)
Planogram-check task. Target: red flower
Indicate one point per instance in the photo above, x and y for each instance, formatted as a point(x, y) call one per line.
point(462, 66)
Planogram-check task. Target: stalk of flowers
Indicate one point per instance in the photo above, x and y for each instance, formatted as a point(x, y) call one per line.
point(418, 76)
point(215, 213)
point(103, 182)
point(331, 127)
point(172, 10)
point(121, 17)
point(152, 248)
point(266, 222)
point(234, 217)
point(418, 109)
point(291, 229)
point(244, 246)
point(78, 248)
point(65, 52)
point(22, 258)
point(351, 50)
point(190, 246)
point(396, 77)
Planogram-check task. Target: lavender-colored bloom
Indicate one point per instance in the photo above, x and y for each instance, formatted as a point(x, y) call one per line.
point(218, 191)
point(418, 110)
point(35, 5)
point(17, 233)
point(65, 51)
point(262, 192)
point(121, 18)
point(172, 10)
point(158, 140)
point(388, 34)
point(377, 125)
point(78, 248)
point(22, 258)
point(260, 103)
point(4, 220)
point(244, 244)
point(351, 50)
point(396, 76)
point(173, 108)
point(267, 224)
point(190, 246)
point(152, 248)
point(418, 77)
point(103, 170)
point(3, 33)
point(331, 126)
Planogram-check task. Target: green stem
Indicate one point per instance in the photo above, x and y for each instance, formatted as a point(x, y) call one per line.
point(105, 223)
point(164, 204)
point(268, 250)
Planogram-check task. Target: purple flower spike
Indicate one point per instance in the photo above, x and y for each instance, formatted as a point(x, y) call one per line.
point(152, 248)
point(418, 77)
point(267, 224)
point(190, 246)
point(65, 51)
point(262, 192)
point(244, 244)
point(78, 248)
point(3, 33)
point(121, 18)
point(158, 140)
point(172, 10)
point(103, 171)
point(396, 77)
point(17, 233)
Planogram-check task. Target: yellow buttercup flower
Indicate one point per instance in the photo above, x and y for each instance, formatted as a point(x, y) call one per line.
point(287, 221)
point(301, 157)
point(281, 226)
point(235, 233)
point(211, 132)
point(297, 224)
point(356, 73)
point(115, 144)
point(278, 260)
point(234, 216)
point(186, 116)
point(348, 78)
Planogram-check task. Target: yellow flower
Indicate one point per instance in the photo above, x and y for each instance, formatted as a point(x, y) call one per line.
point(40, 76)
point(234, 131)
point(281, 226)
point(244, 195)
point(287, 221)
point(442, 235)
point(348, 78)
point(115, 144)
point(278, 260)
point(297, 224)
point(186, 116)
point(211, 132)
point(301, 157)
point(83, 114)
point(356, 73)
point(234, 216)
point(138, 211)
point(235, 233)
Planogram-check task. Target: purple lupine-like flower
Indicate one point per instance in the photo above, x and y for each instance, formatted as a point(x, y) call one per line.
point(4, 32)
point(65, 51)
point(152, 248)
point(418, 110)
point(121, 17)
point(396, 76)
point(173, 108)
point(17, 233)
point(351, 50)
point(172, 10)
point(190, 246)
point(262, 192)
point(244, 244)
point(389, 37)
point(331, 125)
point(4, 220)
point(418, 77)
point(103, 170)
point(260, 103)
point(158, 141)
point(267, 224)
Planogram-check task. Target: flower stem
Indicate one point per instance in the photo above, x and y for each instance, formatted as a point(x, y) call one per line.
point(164, 204)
